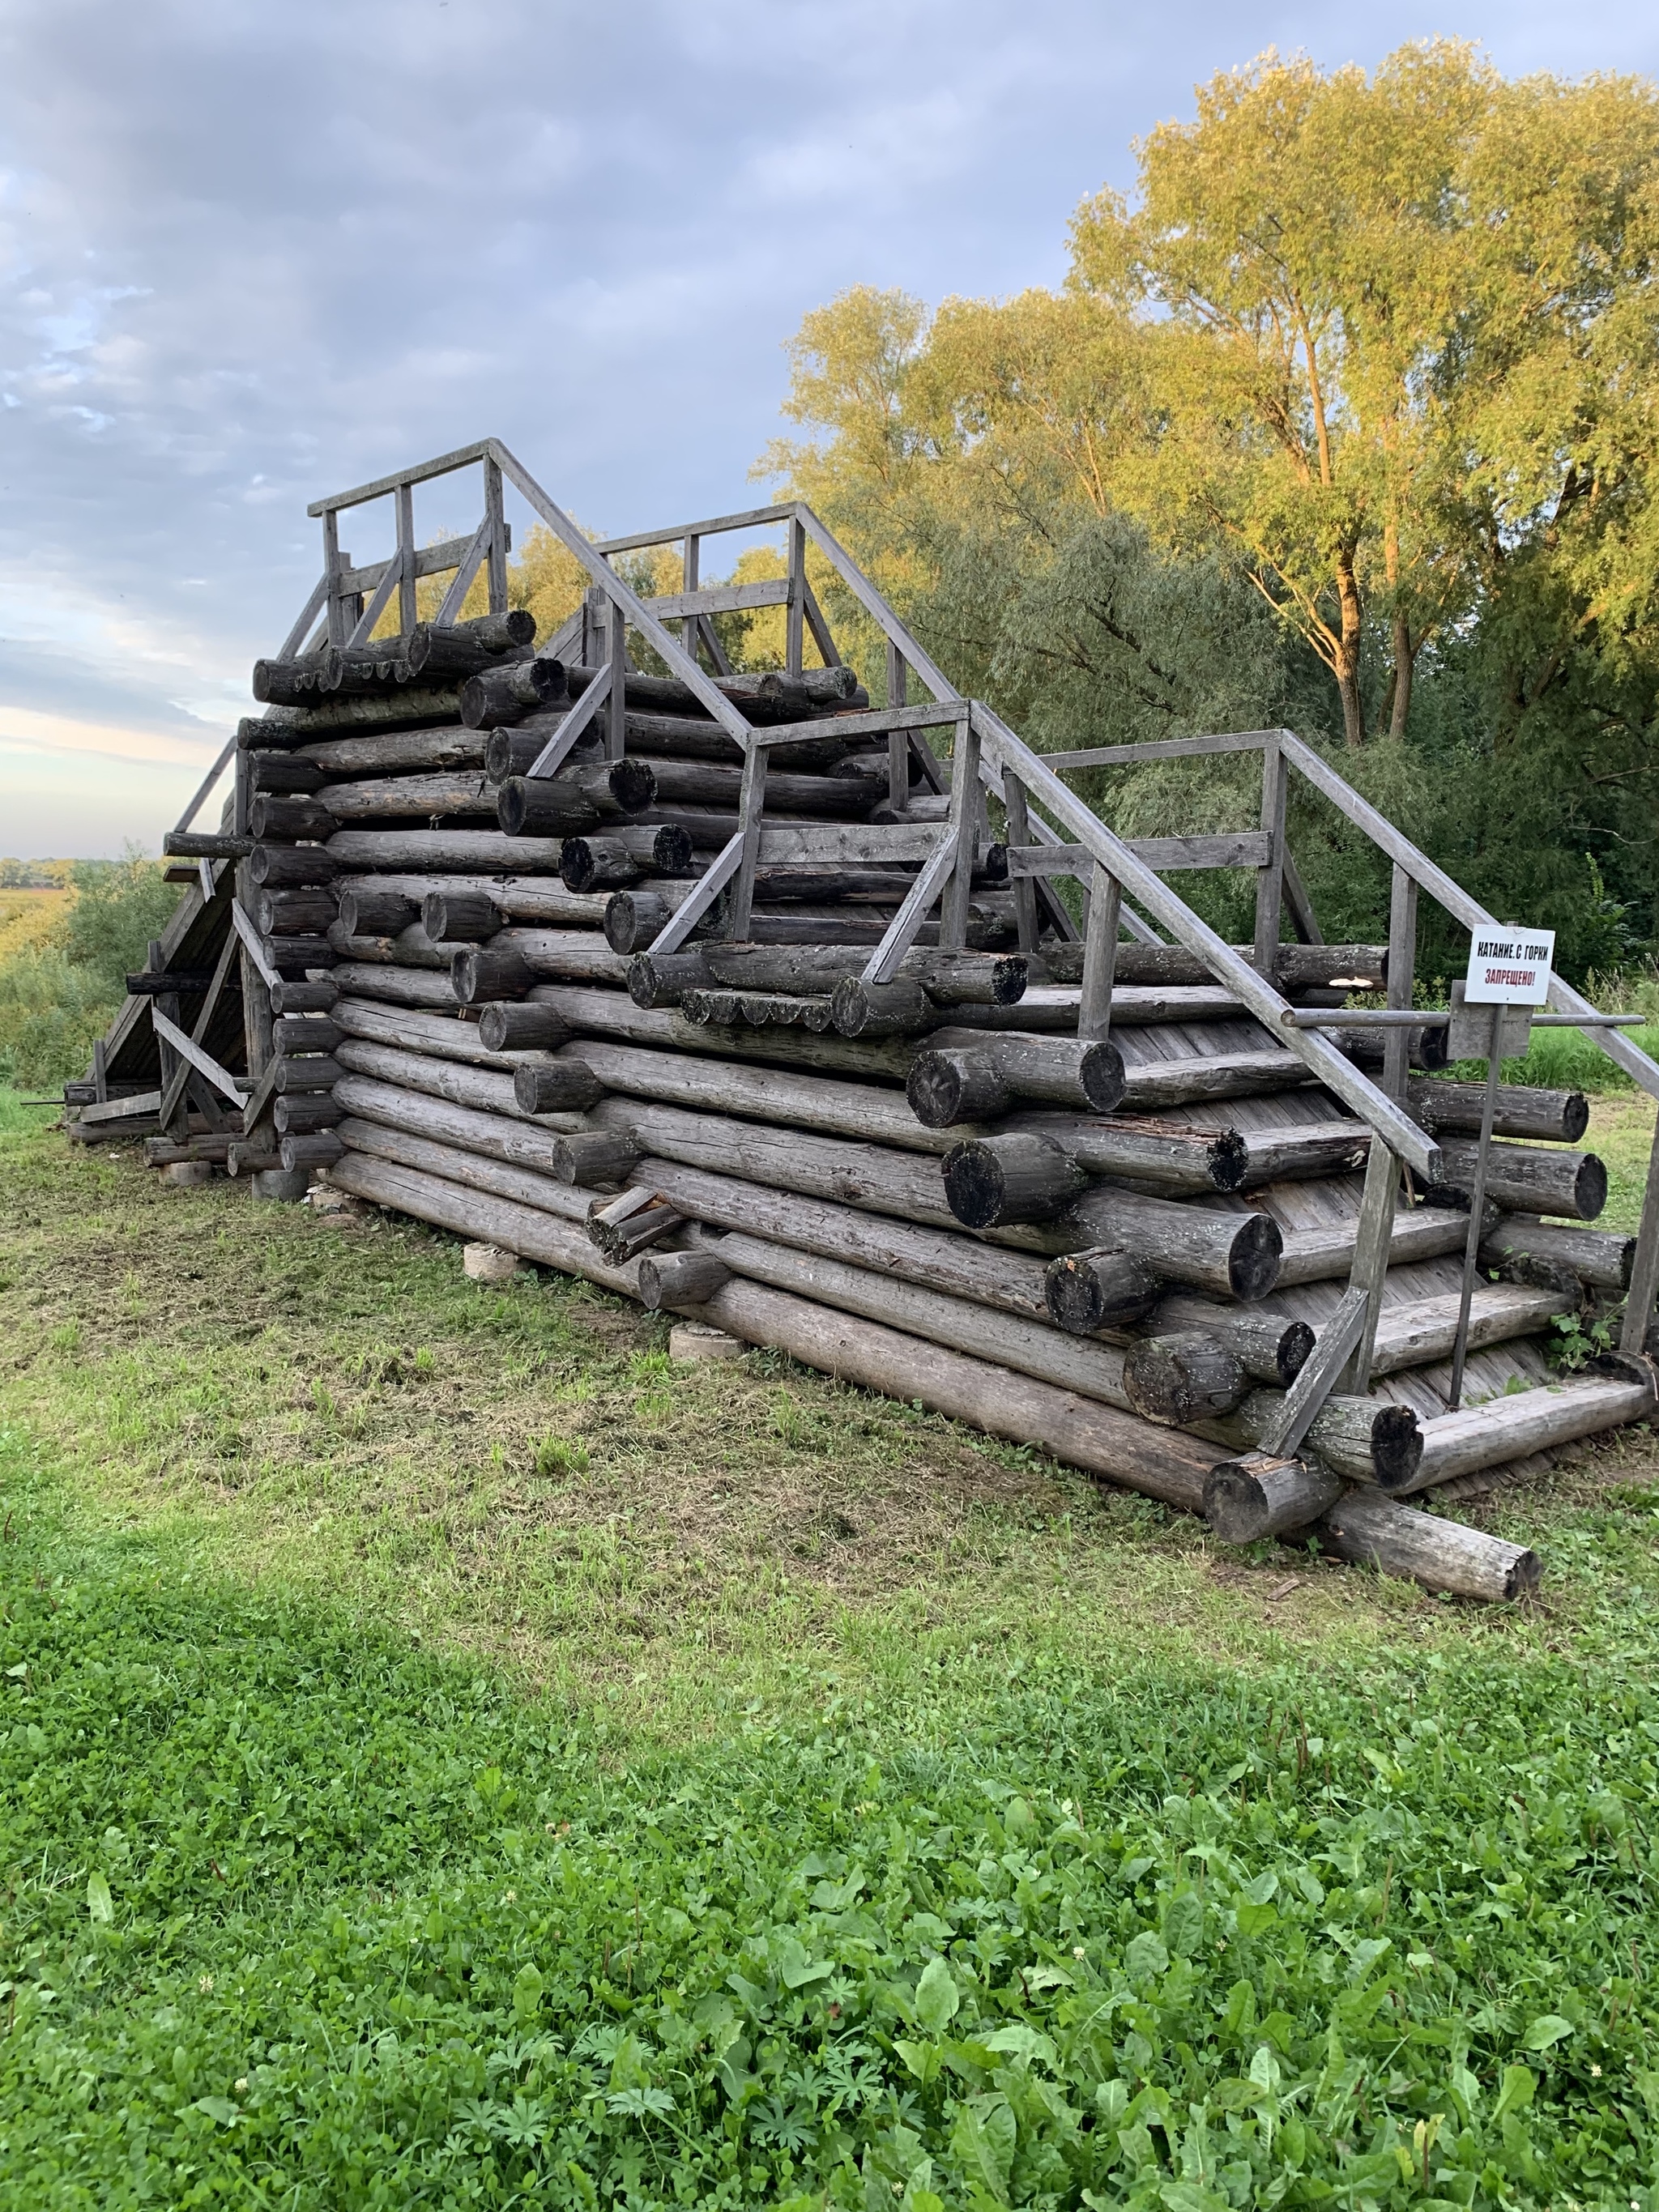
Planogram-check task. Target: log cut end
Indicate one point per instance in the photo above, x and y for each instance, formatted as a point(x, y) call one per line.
point(992, 1181)
point(1186, 1376)
point(1253, 1262)
point(1091, 1290)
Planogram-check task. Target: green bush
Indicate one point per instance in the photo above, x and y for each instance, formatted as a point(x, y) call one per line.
point(56, 998)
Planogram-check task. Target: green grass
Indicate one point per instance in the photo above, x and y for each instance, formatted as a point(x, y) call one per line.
point(770, 1794)
point(1566, 1059)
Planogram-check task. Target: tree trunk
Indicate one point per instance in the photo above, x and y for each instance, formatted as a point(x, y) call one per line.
point(1404, 659)
point(1348, 651)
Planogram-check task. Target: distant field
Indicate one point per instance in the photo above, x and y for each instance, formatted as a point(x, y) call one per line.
point(25, 916)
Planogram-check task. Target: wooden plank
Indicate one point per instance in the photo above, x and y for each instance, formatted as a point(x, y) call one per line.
point(1020, 833)
point(408, 604)
point(720, 598)
point(616, 705)
point(1369, 1272)
point(1284, 1432)
point(900, 932)
point(819, 628)
point(898, 741)
point(1300, 906)
point(495, 552)
point(255, 949)
point(391, 576)
point(455, 598)
point(225, 756)
point(1242, 849)
point(1270, 878)
point(306, 617)
point(334, 604)
point(421, 473)
point(967, 806)
point(429, 561)
point(1644, 1072)
point(229, 951)
point(1402, 969)
point(202, 1062)
point(691, 911)
point(795, 628)
point(99, 1072)
point(1239, 741)
point(752, 518)
point(1094, 1013)
point(119, 1110)
point(814, 844)
point(1334, 1070)
point(751, 809)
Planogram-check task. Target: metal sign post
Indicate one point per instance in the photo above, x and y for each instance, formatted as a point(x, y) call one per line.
point(1507, 967)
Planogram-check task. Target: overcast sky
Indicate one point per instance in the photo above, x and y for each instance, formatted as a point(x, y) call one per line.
point(252, 253)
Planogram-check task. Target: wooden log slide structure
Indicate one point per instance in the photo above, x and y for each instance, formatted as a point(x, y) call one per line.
point(736, 993)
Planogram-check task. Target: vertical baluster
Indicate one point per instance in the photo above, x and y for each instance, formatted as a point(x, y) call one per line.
point(1270, 878)
point(967, 808)
point(1020, 833)
point(495, 560)
point(408, 613)
point(1094, 1019)
point(616, 707)
point(898, 741)
point(751, 808)
point(795, 625)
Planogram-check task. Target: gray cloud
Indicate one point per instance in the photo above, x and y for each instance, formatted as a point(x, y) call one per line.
point(249, 252)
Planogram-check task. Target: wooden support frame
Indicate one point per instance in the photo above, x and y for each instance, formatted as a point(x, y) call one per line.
point(751, 809)
point(1284, 1435)
point(794, 632)
point(408, 603)
point(616, 705)
point(1018, 811)
point(595, 701)
point(173, 1091)
point(1094, 1013)
point(1401, 978)
point(203, 1062)
point(1270, 874)
point(967, 806)
point(495, 523)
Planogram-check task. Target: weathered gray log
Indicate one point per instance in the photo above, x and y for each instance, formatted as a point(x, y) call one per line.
point(573, 801)
point(1524, 1176)
point(622, 1229)
point(396, 987)
point(482, 972)
point(278, 820)
point(540, 899)
point(288, 772)
point(1185, 1377)
point(596, 1157)
point(301, 682)
point(443, 852)
point(1359, 1438)
point(947, 979)
point(1207, 1076)
point(246, 1156)
point(397, 751)
point(680, 1278)
point(655, 980)
point(514, 751)
point(577, 956)
point(295, 1033)
point(1235, 1255)
point(271, 868)
point(443, 1156)
point(1415, 1336)
point(786, 1098)
point(443, 794)
point(1313, 1256)
point(1272, 1348)
point(1421, 1547)
point(1515, 1425)
point(1147, 1152)
point(433, 1030)
point(460, 916)
point(682, 737)
point(297, 956)
point(768, 696)
point(634, 918)
point(365, 912)
point(461, 649)
point(287, 998)
point(301, 1114)
point(486, 1133)
point(320, 1150)
point(622, 856)
point(508, 695)
point(409, 948)
point(295, 913)
point(1558, 1116)
point(1092, 1369)
point(1012, 1282)
point(203, 845)
point(1088, 1291)
point(1297, 968)
point(1366, 1048)
point(1303, 1150)
point(614, 1014)
point(1258, 1495)
point(167, 982)
point(505, 1027)
point(463, 1085)
point(416, 707)
point(901, 1008)
point(567, 1086)
point(1556, 1257)
point(991, 1181)
point(314, 1072)
point(685, 783)
point(1089, 1078)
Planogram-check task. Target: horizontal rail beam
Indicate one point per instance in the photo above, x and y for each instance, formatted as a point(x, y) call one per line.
point(754, 518)
point(423, 472)
point(1237, 741)
point(1242, 849)
point(429, 561)
point(721, 599)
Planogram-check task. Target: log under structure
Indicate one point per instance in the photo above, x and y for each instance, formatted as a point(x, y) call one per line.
point(850, 1027)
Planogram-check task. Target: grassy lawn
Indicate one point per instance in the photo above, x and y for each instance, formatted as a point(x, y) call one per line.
point(455, 1758)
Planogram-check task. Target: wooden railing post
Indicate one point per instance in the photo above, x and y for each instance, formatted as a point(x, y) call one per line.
point(898, 741)
point(1645, 1271)
point(752, 810)
point(1402, 969)
point(1270, 878)
point(616, 707)
point(1094, 1019)
point(967, 805)
point(338, 627)
point(690, 569)
point(495, 558)
point(794, 647)
point(1020, 833)
point(407, 608)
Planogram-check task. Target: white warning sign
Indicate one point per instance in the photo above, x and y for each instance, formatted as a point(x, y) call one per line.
point(1510, 968)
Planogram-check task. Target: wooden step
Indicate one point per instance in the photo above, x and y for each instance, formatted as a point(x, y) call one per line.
point(1415, 1336)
